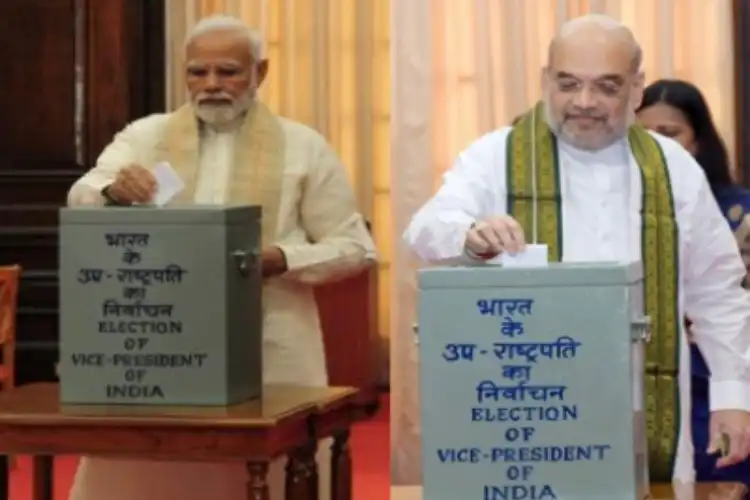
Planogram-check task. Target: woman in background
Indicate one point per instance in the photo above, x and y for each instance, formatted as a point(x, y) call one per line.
point(677, 109)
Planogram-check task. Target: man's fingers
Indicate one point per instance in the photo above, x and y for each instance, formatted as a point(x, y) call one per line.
point(737, 450)
point(729, 456)
point(510, 235)
point(476, 243)
point(490, 236)
point(136, 185)
point(147, 188)
point(509, 243)
point(729, 460)
point(516, 232)
point(495, 236)
point(138, 191)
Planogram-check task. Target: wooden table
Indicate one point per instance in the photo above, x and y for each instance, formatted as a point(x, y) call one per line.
point(703, 491)
point(287, 421)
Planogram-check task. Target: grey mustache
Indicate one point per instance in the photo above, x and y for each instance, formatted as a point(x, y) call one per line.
point(215, 96)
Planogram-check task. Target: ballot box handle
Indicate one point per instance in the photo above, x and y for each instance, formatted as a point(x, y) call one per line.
point(641, 329)
point(244, 260)
point(415, 331)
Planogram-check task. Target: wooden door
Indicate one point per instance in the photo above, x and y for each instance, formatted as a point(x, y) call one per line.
point(76, 72)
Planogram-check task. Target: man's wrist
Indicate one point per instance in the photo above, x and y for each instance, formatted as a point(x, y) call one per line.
point(480, 256)
point(109, 200)
point(467, 251)
point(471, 255)
point(477, 256)
point(273, 262)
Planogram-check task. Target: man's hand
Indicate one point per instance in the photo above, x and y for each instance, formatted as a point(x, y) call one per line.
point(491, 237)
point(273, 262)
point(133, 184)
point(735, 424)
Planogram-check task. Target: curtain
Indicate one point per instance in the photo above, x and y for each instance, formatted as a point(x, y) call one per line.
point(463, 68)
point(329, 67)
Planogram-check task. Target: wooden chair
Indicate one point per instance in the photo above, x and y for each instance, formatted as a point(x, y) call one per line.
point(10, 277)
point(347, 310)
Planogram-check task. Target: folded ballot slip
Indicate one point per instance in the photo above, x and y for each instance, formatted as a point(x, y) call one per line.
point(533, 256)
point(168, 184)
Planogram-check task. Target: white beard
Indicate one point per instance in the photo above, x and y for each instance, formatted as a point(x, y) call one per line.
point(224, 114)
point(557, 129)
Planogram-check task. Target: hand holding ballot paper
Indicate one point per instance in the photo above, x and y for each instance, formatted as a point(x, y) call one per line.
point(135, 184)
point(495, 235)
point(500, 240)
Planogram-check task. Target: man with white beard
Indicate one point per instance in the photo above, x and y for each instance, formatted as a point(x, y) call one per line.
point(228, 148)
point(575, 173)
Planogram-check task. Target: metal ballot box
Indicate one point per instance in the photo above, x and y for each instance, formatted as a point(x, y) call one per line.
point(531, 382)
point(160, 306)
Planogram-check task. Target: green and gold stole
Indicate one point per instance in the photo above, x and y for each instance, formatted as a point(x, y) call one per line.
point(660, 258)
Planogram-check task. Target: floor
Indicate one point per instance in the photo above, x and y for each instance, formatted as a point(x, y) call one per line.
point(370, 456)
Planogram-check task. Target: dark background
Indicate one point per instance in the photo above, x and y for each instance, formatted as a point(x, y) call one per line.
point(118, 47)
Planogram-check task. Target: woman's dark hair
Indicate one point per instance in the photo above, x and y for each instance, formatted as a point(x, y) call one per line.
point(711, 152)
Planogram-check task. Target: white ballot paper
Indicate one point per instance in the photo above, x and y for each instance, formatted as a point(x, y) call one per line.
point(168, 184)
point(533, 256)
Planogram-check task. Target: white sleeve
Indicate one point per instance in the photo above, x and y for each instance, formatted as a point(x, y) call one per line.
point(715, 301)
point(128, 146)
point(470, 191)
point(339, 243)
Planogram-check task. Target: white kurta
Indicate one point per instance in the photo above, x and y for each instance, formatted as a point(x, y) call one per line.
point(323, 237)
point(601, 201)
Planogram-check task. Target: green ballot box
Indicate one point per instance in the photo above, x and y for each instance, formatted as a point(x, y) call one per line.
point(532, 382)
point(160, 306)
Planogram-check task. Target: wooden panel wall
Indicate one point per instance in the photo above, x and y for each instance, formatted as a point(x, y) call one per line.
point(78, 71)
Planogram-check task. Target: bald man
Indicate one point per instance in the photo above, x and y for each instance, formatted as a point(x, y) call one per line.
point(608, 190)
point(230, 149)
